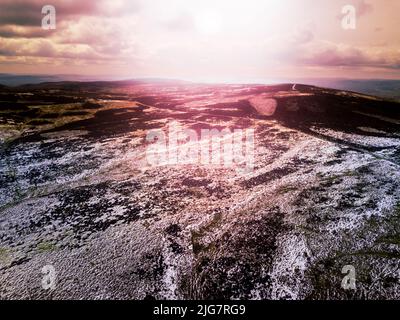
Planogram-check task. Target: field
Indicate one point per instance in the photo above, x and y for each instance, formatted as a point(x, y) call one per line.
point(77, 193)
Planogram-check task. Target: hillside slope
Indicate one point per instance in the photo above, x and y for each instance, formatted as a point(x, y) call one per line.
point(77, 193)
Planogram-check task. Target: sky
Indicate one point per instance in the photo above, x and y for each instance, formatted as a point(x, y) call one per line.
point(205, 40)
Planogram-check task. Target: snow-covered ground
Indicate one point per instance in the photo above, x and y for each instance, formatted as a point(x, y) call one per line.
point(115, 228)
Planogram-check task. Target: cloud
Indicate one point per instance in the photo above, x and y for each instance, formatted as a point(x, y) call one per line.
point(163, 38)
point(29, 13)
point(302, 36)
point(44, 48)
point(89, 30)
point(326, 54)
point(12, 31)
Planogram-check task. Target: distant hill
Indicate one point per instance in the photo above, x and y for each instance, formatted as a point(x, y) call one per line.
point(389, 89)
point(14, 80)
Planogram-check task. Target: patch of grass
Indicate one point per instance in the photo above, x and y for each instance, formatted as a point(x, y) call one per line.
point(195, 239)
point(76, 113)
point(46, 246)
point(18, 193)
point(12, 175)
point(350, 173)
point(38, 122)
point(397, 209)
point(4, 255)
point(395, 239)
point(286, 189)
point(373, 222)
point(393, 222)
point(328, 181)
point(196, 192)
point(196, 236)
point(6, 143)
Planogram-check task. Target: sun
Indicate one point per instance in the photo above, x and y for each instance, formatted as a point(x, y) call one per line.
point(208, 22)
